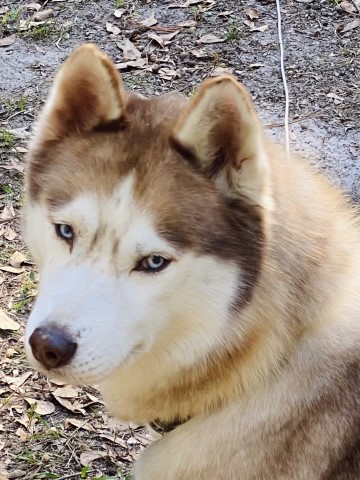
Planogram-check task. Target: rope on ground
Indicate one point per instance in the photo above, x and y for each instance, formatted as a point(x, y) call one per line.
point(283, 74)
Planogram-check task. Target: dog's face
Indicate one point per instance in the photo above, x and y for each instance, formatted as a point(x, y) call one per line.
point(144, 218)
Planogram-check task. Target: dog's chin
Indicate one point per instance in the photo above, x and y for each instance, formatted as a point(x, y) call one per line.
point(72, 374)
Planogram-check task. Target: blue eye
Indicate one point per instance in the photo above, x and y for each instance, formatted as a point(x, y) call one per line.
point(153, 263)
point(64, 231)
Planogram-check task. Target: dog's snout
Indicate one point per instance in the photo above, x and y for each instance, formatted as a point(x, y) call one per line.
point(52, 347)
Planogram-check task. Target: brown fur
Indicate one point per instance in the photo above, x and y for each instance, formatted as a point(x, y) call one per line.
point(280, 401)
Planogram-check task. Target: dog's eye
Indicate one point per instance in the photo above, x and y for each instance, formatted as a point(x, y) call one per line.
point(153, 263)
point(64, 231)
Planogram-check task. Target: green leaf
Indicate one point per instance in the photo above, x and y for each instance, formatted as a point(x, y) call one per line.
point(84, 472)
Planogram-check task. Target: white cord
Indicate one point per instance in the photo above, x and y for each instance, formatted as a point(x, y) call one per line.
point(287, 102)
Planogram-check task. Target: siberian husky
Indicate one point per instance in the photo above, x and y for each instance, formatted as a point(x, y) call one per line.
point(207, 283)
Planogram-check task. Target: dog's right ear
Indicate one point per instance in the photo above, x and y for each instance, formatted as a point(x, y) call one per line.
point(87, 95)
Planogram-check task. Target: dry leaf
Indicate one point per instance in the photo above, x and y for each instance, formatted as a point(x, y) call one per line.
point(33, 6)
point(17, 474)
point(6, 268)
point(112, 28)
point(94, 399)
point(66, 392)
point(167, 73)
point(28, 24)
point(209, 38)
point(7, 323)
point(21, 149)
point(17, 259)
point(188, 3)
point(158, 28)
point(132, 441)
point(200, 53)
point(10, 352)
point(139, 63)
point(348, 7)
point(116, 425)
point(119, 12)
point(44, 15)
point(25, 421)
point(23, 436)
point(252, 13)
point(114, 439)
point(187, 24)
point(221, 71)
point(72, 407)
point(20, 380)
point(167, 37)
point(129, 50)
point(157, 38)
point(253, 28)
point(89, 456)
point(226, 13)
point(7, 41)
point(182, 5)
point(78, 424)
point(25, 24)
point(59, 383)
point(9, 233)
point(150, 21)
point(15, 164)
point(42, 408)
point(334, 96)
point(351, 26)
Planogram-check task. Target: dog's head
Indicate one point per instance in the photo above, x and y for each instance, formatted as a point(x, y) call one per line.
point(145, 218)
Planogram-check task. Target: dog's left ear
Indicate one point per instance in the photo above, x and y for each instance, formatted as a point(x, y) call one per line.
point(221, 134)
point(87, 95)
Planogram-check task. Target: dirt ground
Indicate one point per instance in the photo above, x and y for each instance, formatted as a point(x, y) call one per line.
point(67, 433)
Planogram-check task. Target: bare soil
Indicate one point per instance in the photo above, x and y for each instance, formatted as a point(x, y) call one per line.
point(71, 435)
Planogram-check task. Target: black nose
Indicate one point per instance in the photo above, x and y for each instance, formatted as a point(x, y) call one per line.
point(52, 347)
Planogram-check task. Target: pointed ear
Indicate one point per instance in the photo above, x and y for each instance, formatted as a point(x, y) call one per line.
point(86, 95)
point(221, 133)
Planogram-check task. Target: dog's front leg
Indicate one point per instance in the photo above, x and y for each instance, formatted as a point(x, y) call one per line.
point(162, 461)
point(193, 451)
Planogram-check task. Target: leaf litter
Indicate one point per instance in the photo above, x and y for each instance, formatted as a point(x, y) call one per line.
point(7, 323)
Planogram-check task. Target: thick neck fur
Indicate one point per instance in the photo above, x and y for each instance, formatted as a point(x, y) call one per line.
point(300, 278)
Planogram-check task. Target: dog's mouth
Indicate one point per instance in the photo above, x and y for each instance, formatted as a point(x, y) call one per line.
point(60, 367)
